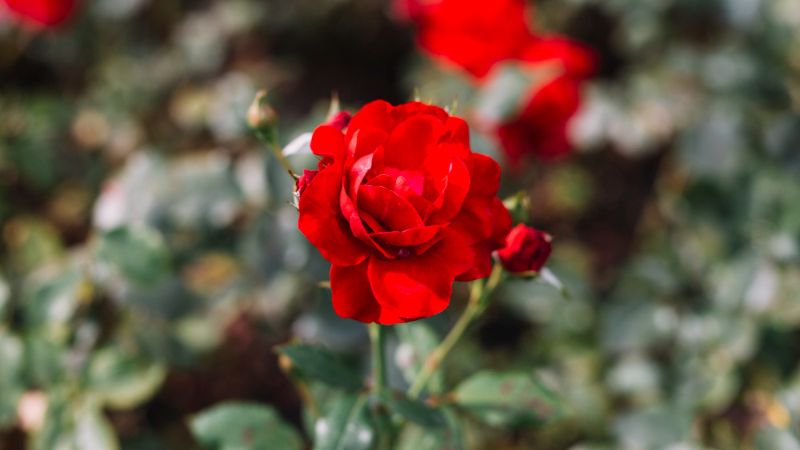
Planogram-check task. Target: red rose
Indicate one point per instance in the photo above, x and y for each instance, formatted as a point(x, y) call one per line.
point(402, 208)
point(47, 13)
point(541, 128)
point(526, 250)
point(472, 34)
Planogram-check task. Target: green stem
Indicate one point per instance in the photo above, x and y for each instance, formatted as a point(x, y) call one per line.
point(478, 300)
point(377, 334)
point(283, 160)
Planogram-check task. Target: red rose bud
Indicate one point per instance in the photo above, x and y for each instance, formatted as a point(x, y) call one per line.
point(526, 250)
point(402, 208)
point(42, 13)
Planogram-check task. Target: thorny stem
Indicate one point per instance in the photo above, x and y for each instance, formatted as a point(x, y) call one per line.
point(479, 297)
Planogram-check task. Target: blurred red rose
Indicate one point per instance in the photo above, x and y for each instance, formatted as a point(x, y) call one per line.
point(526, 250)
point(402, 208)
point(46, 13)
point(472, 34)
point(541, 128)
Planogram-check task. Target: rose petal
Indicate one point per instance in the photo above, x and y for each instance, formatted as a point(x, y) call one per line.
point(407, 238)
point(411, 141)
point(394, 212)
point(420, 286)
point(351, 294)
point(322, 223)
point(328, 142)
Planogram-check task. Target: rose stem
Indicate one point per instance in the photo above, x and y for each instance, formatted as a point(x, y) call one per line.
point(377, 334)
point(479, 296)
point(283, 160)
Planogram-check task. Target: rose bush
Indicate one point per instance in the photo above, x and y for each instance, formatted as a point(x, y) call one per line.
point(46, 13)
point(402, 208)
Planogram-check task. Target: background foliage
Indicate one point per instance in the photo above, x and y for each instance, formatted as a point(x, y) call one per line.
point(151, 263)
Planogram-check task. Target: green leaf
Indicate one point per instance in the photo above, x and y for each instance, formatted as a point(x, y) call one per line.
point(137, 253)
point(414, 410)
point(5, 299)
point(506, 399)
point(11, 387)
point(77, 425)
point(320, 364)
point(93, 431)
point(50, 301)
point(244, 426)
point(450, 437)
point(344, 425)
point(417, 341)
point(119, 381)
point(771, 438)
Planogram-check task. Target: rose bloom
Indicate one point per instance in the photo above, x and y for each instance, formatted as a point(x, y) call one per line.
point(527, 250)
point(402, 208)
point(541, 127)
point(42, 13)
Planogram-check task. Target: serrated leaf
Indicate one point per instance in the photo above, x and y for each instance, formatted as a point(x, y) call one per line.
point(322, 365)
point(506, 399)
point(344, 425)
point(414, 410)
point(240, 426)
point(137, 253)
point(417, 341)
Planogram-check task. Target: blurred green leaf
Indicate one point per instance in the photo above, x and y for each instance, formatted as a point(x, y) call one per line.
point(507, 399)
point(344, 425)
point(413, 410)
point(77, 425)
point(137, 253)
point(322, 365)
point(240, 426)
point(51, 299)
point(120, 381)
point(417, 341)
point(449, 437)
point(5, 299)
point(11, 381)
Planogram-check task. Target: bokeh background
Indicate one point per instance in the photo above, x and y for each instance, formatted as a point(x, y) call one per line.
point(150, 260)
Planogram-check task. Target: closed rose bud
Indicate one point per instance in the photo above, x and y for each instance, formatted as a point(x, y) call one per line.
point(526, 250)
point(261, 117)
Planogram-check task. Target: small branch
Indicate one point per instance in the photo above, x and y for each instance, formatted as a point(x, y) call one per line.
point(480, 294)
